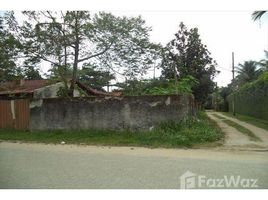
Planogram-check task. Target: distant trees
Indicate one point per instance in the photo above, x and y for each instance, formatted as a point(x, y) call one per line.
point(186, 55)
point(159, 86)
point(250, 75)
point(31, 73)
point(95, 48)
point(247, 72)
point(95, 78)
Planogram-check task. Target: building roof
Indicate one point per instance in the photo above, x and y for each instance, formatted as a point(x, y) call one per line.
point(22, 86)
point(29, 86)
point(91, 91)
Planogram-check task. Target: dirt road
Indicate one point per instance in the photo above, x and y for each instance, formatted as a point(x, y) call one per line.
point(236, 139)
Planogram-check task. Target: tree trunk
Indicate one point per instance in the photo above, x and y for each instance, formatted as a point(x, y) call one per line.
point(76, 55)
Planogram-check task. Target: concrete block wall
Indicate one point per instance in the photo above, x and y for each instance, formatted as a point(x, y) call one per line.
point(128, 112)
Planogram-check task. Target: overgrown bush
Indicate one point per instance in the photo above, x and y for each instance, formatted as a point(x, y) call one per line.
point(159, 86)
point(193, 131)
point(252, 98)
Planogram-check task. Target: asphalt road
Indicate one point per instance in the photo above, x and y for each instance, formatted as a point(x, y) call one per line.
point(70, 166)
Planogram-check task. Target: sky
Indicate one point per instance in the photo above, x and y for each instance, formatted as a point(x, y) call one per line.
point(223, 31)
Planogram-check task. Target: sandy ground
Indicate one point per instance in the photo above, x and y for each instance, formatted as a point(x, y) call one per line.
point(261, 133)
point(236, 139)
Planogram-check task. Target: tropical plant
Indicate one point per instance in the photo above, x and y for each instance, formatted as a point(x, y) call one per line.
point(264, 62)
point(247, 72)
point(258, 14)
point(140, 87)
point(184, 86)
point(251, 99)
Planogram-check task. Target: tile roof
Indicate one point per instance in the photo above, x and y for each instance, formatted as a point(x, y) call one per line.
point(91, 91)
point(21, 86)
point(28, 87)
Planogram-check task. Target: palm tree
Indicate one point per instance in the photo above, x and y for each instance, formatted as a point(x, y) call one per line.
point(247, 72)
point(258, 14)
point(264, 62)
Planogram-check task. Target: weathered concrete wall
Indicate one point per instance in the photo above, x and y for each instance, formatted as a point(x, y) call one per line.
point(129, 112)
point(50, 91)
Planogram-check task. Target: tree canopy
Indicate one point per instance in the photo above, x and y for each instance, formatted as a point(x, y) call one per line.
point(70, 39)
point(247, 72)
point(187, 55)
point(9, 49)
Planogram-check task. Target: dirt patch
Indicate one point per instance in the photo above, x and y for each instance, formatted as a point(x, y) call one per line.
point(236, 139)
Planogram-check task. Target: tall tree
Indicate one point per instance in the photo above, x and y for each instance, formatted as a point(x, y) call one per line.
point(186, 55)
point(9, 50)
point(74, 37)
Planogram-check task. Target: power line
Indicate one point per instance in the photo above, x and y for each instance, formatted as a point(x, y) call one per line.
point(225, 69)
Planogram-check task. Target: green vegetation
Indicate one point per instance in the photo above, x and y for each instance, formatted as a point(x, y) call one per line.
point(242, 129)
point(188, 133)
point(250, 87)
point(105, 44)
point(187, 55)
point(218, 116)
point(251, 120)
point(252, 98)
point(159, 87)
point(183, 86)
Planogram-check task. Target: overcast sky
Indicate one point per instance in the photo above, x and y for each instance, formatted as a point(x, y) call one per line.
point(222, 32)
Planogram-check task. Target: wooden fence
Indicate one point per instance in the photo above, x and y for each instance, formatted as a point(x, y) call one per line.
point(14, 114)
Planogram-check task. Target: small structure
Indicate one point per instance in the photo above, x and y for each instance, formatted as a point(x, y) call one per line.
point(17, 97)
point(35, 105)
point(20, 88)
point(39, 89)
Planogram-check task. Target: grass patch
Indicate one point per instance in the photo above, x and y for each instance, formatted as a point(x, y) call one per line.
point(242, 129)
point(200, 130)
point(251, 120)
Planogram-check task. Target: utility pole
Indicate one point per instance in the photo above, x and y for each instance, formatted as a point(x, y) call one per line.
point(154, 71)
point(176, 80)
point(234, 85)
point(216, 98)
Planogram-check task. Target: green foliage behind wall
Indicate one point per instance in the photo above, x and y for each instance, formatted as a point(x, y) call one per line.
point(252, 98)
